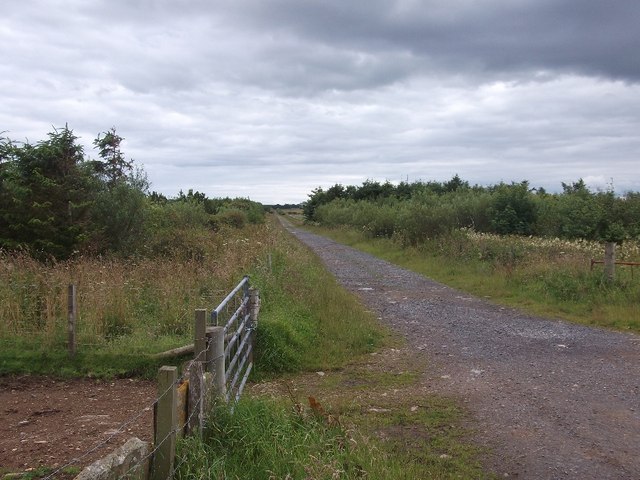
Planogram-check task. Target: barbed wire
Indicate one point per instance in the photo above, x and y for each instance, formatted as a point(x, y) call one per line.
point(175, 430)
point(132, 419)
point(114, 433)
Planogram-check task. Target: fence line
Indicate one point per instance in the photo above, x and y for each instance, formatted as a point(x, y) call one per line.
point(223, 360)
point(114, 434)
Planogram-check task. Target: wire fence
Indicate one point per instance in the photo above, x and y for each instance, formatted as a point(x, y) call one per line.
point(100, 445)
point(222, 362)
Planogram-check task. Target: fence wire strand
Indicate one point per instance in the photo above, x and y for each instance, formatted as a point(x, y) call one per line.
point(199, 356)
point(115, 433)
point(175, 430)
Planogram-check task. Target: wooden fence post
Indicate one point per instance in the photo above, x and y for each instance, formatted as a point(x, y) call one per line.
point(200, 336)
point(254, 305)
point(610, 261)
point(196, 398)
point(254, 310)
point(215, 359)
point(72, 316)
point(165, 424)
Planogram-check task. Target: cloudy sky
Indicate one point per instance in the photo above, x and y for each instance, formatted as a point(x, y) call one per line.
point(271, 98)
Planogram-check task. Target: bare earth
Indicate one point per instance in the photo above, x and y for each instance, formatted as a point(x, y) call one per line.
point(49, 422)
point(553, 400)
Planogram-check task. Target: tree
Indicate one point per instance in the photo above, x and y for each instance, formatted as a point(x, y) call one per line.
point(455, 183)
point(317, 197)
point(118, 214)
point(513, 210)
point(46, 195)
point(114, 166)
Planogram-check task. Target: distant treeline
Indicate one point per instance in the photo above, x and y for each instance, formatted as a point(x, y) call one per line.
point(56, 202)
point(420, 210)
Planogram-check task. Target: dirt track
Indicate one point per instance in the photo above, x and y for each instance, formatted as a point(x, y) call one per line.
point(49, 422)
point(552, 399)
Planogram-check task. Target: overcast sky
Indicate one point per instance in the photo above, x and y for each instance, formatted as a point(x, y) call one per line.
point(268, 99)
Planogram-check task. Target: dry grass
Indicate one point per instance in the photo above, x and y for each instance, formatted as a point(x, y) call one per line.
point(146, 297)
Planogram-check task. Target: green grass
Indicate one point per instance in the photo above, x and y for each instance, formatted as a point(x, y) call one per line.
point(532, 279)
point(267, 439)
point(307, 321)
point(39, 472)
point(377, 422)
point(22, 357)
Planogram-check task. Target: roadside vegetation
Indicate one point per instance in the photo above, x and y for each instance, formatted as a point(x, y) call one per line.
point(143, 262)
point(516, 245)
point(359, 413)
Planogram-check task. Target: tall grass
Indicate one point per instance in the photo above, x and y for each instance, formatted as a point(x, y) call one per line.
point(132, 308)
point(119, 296)
point(125, 306)
point(275, 439)
point(545, 276)
point(307, 321)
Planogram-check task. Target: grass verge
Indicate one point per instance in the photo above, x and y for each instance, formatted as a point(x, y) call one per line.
point(550, 281)
point(307, 321)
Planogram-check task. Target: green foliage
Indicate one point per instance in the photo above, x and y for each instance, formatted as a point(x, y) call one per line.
point(307, 320)
point(45, 195)
point(418, 211)
point(120, 214)
point(513, 210)
point(114, 167)
point(233, 217)
point(264, 440)
point(56, 203)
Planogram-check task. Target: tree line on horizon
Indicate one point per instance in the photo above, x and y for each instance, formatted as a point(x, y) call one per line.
point(56, 202)
point(420, 210)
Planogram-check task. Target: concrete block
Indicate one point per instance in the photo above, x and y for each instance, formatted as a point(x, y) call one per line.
point(128, 461)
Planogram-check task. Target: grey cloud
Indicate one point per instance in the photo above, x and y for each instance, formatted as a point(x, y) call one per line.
point(581, 36)
point(275, 97)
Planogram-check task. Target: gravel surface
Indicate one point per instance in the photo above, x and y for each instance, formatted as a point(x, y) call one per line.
point(551, 399)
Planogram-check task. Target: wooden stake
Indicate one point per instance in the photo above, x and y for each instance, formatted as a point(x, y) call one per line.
point(254, 310)
point(165, 424)
point(610, 261)
point(196, 394)
point(72, 315)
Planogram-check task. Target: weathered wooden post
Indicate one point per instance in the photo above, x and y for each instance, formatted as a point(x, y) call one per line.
point(72, 317)
point(200, 336)
point(165, 424)
point(610, 261)
point(254, 310)
point(254, 304)
point(182, 407)
point(196, 397)
point(215, 360)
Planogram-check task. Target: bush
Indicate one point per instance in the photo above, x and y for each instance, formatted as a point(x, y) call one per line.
point(232, 217)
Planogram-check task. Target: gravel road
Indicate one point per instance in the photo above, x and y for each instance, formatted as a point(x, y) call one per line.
point(551, 399)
